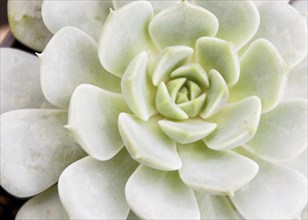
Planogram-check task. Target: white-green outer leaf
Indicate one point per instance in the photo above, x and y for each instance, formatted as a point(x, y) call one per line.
point(263, 73)
point(91, 189)
point(93, 121)
point(70, 59)
point(35, 149)
point(124, 35)
point(154, 194)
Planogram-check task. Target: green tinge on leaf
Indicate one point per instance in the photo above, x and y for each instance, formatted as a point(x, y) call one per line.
point(88, 16)
point(194, 90)
point(214, 53)
point(124, 36)
point(218, 172)
point(216, 95)
point(46, 205)
point(147, 143)
point(193, 72)
point(169, 59)
point(282, 132)
point(91, 189)
point(137, 88)
point(26, 23)
point(93, 120)
point(236, 123)
point(154, 194)
point(174, 87)
point(186, 131)
point(70, 59)
point(182, 24)
point(238, 20)
point(166, 106)
point(278, 192)
point(35, 149)
point(192, 107)
point(263, 73)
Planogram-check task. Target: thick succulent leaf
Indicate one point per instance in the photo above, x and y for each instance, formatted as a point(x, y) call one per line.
point(193, 107)
point(194, 72)
point(276, 192)
point(215, 207)
point(206, 170)
point(263, 73)
point(20, 81)
point(282, 132)
point(91, 189)
point(154, 194)
point(299, 163)
point(182, 24)
point(35, 149)
point(26, 23)
point(236, 124)
point(93, 121)
point(214, 53)
point(137, 88)
point(124, 35)
point(89, 16)
point(216, 95)
point(170, 58)
point(166, 106)
point(147, 143)
point(174, 87)
point(70, 59)
point(46, 205)
point(158, 5)
point(186, 131)
point(285, 28)
point(297, 85)
point(238, 20)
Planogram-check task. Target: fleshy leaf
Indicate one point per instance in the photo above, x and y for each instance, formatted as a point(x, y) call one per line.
point(205, 170)
point(70, 59)
point(170, 58)
point(158, 5)
point(174, 87)
point(166, 106)
point(194, 72)
point(236, 124)
point(35, 149)
point(124, 36)
point(214, 53)
point(93, 121)
point(47, 205)
point(263, 73)
point(154, 194)
point(89, 16)
point(20, 81)
point(182, 24)
point(287, 126)
point(215, 207)
point(186, 131)
point(91, 189)
point(147, 144)
point(137, 88)
point(276, 192)
point(216, 95)
point(193, 107)
point(285, 27)
point(299, 163)
point(26, 23)
point(297, 85)
point(238, 20)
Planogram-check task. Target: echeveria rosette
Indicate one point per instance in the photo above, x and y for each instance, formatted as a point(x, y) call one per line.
point(196, 107)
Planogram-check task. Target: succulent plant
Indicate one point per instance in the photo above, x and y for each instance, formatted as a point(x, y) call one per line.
point(157, 110)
